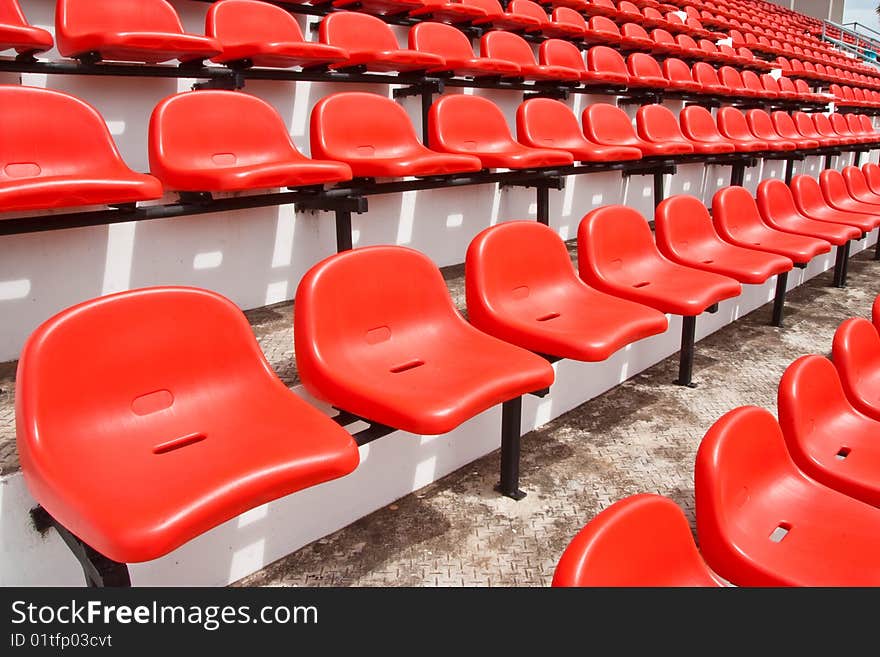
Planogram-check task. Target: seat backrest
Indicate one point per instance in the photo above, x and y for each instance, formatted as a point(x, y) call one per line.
point(810, 402)
point(805, 124)
point(734, 211)
point(708, 46)
point(866, 123)
point(559, 52)
point(603, 24)
point(752, 81)
point(776, 201)
point(833, 186)
point(642, 540)
point(823, 125)
point(50, 133)
point(626, 7)
point(644, 66)
point(761, 125)
point(96, 369)
point(836, 90)
point(705, 73)
point(356, 305)
point(356, 32)
point(808, 196)
point(465, 123)
point(608, 124)
point(192, 131)
point(568, 16)
point(769, 83)
point(741, 459)
point(602, 59)
point(75, 17)
point(801, 86)
point(547, 123)
point(697, 123)
point(530, 9)
point(498, 44)
point(686, 41)
point(838, 122)
point(652, 12)
point(732, 124)
point(855, 350)
point(786, 85)
point(634, 30)
point(730, 78)
point(383, 128)
point(250, 21)
point(675, 69)
point(615, 242)
point(662, 36)
point(11, 13)
point(658, 124)
point(855, 181)
point(440, 39)
point(872, 176)
point(682, 225)
point(511, 261)
point(491, 7)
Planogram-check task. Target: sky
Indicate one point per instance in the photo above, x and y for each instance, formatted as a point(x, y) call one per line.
point(862, 11)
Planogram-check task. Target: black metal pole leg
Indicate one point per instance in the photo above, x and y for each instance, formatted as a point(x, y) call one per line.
point(98, 570)
point(828, 161)
point(343, 231)
point(543, 205)
point(841, 263)
point(789, 171)
point(779, 299)
point(737, 174)
point(658, 189)
point(511, 433)
point(686, 355)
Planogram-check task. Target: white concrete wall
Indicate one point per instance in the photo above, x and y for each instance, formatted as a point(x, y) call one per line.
point(257, 257)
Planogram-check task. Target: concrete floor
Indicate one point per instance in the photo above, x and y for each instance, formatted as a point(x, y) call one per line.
point(641, 436)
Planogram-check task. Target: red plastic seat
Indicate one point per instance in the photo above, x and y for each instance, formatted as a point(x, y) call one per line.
point(762, 522)
point(265, 35)
point(664, 43)
point(634, 37)
point(778, 210)
point(684, 233)
point(807, 128)
point(657, 123)
point(642, 540)
point(872, 176)
point(369, 42)
point(859, 129)
point(761, 125)
point(602, 8)
point(603, 30)
point(610, 126)
point(16, 32)
point(146, 31)
point(513, 48)
point(836, 195)
point(752, 81)
point(827, 438)
point(192, 147)
point(548, 123)
point(165, 390)
point(498, 19)
point(607, 66)
point(522, 288)
point(731, 78)
point(707, 76)
point(377, 334)
point(770, 84)
point(698, 125)
point(57, 152)
point(454, 47)
point(382, 143)
point(824, 128)
point(558, 53)
point(856, 353)
point(841, 127)
point(811, 201)
point(545, 26)
point(737, 220)
point(444, 11)
point(858, 188)
point(786, 128)
point(645, 71)
point(689, 47)
point(680, 77)
point(472, 125)
point(733, 125)
point(617, 255)
point(563, 15)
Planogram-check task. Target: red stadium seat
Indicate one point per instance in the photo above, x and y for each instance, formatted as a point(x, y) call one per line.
point(146, 31)
point(162, 389)
point(472, 125)
point(369, 42)
point(761, 125)
point(689, 47)
point(498, 19)
point(736, 218)
point(513, 48)
point(522, 288)
point(607, 66)
point(193, 149)
point(836, 194)
point(685, 235)
point(856, 354)
point(642, 540)
point(665, 43)
point(445, 11)
point(827, 438)
point(732, 79)
point(812, 202)
point(698, 125)
point(377, 335)
point(545, 26)
point(680, 77)
point(707, 76)
point(841, 127)
point(634, 36)
point(858, 188)
point(454, 47)
point(645, 71)
point(610, 126)
point(558, 53)
point(657, 124)
point(734, 126)
point(807, 128)
point(548, 123)
point(763, 522)
point(617, 255)
point(16, 32)
point(786, 128)
point(778, 210)
point(381, 143)
point(567, 16)
point(872, 176)
point(264, 35)
point(605, 8)
point(57, 152)
point(824, 128)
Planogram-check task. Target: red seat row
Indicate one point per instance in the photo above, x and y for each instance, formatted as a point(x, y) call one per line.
point(811, 515)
